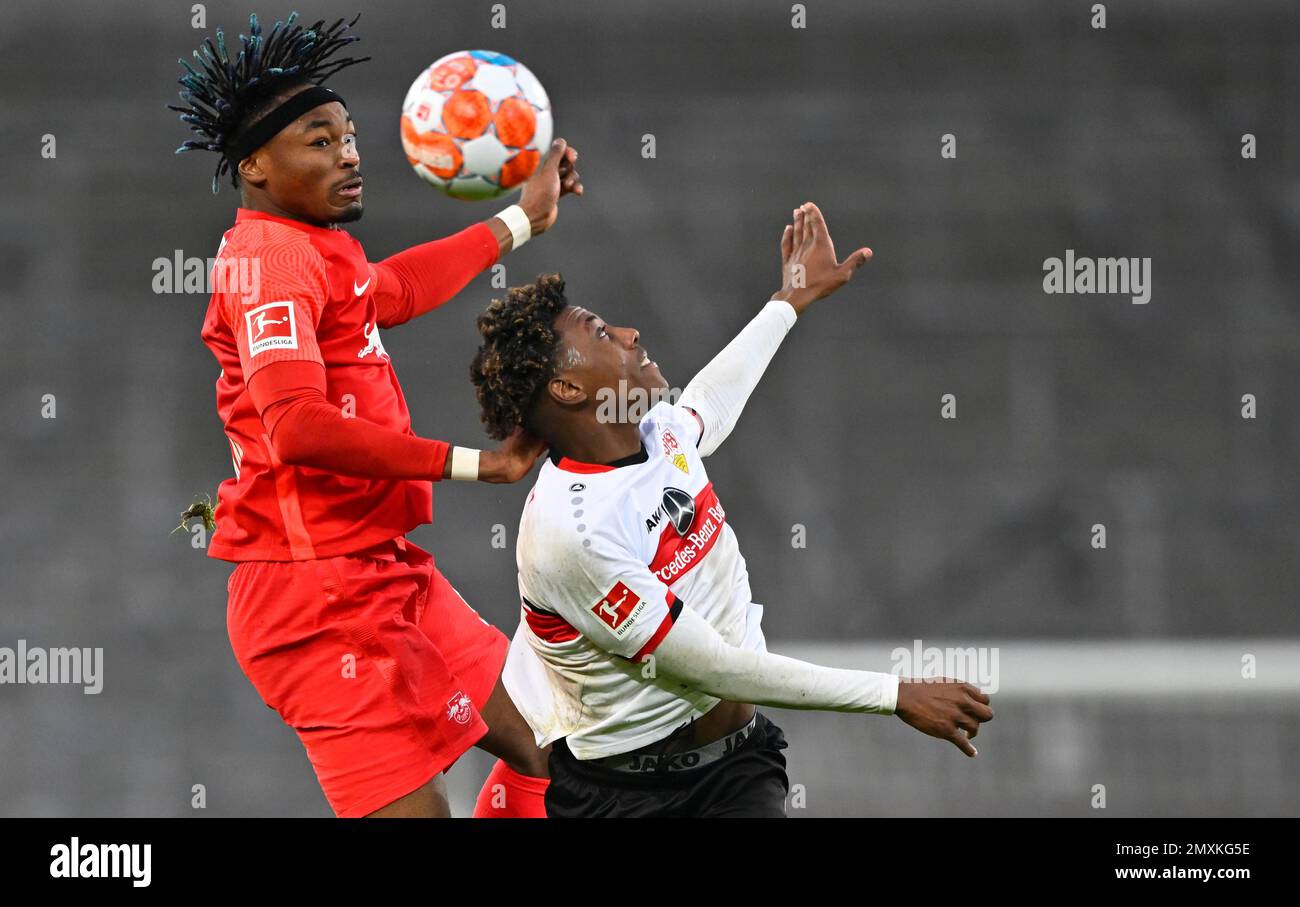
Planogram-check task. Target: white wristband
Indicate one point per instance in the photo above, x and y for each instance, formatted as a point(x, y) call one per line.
point(783, 309)
point(464, 464)
point(520, 227)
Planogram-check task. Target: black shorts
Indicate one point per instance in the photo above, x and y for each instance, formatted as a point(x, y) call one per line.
point(749, 783)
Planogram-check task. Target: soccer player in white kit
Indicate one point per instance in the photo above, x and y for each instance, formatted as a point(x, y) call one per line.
point(640, 655)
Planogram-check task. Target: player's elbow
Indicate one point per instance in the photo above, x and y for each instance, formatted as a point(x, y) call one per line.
point(298, 426)
point(291, 446)
point(288, 450)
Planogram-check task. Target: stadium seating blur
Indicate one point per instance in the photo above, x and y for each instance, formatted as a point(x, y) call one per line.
point(1072, 410)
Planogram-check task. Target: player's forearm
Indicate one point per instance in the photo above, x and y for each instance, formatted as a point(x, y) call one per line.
point(313, 432)
point(719, 392)
point(695, 654)
point(433, 272)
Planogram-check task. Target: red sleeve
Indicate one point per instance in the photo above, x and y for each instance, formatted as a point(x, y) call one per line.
point(274, 316)
point(421, 278)
point(307, 430)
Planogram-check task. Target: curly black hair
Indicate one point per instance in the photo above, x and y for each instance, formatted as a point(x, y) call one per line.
point(225, 96)
point(519, 352)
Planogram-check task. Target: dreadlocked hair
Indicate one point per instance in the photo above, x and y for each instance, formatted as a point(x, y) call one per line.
point(224, 95)
point(519, 352)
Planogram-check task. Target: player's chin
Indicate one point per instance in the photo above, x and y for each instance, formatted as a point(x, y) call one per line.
point(651, 378)
point(347, 211)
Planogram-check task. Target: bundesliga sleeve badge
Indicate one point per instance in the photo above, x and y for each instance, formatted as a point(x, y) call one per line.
point(271, 327)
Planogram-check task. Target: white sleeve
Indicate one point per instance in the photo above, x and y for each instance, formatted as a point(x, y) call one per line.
point(718, 393)
point(694, 653)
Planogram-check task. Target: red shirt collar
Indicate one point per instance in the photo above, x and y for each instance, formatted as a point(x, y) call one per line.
point(243, 214)
point(578, 466)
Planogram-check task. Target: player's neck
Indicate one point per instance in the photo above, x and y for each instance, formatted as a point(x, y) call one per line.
point(604, 443)
point(263, 205)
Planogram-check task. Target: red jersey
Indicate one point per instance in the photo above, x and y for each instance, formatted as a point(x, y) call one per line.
point(287, 290)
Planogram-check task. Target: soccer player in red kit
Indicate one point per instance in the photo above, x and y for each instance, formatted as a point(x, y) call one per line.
point(347, 629)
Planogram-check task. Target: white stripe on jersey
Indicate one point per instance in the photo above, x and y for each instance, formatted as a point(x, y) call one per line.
point(603, 555)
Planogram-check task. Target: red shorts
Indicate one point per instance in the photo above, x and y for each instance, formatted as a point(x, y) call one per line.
point(373, 658)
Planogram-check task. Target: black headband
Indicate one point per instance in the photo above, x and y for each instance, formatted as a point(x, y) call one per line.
point(265, 129)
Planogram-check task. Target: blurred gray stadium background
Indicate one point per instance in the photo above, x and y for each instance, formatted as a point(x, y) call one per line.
point(1072, 410)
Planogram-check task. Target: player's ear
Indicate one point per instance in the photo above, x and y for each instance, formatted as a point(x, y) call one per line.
point(565, 392)
point(252, 170)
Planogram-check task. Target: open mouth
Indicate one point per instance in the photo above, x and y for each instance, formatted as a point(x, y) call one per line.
point(350, 189)
point(645, 359)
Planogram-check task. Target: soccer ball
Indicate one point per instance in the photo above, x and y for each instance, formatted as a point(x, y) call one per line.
point(475, 124)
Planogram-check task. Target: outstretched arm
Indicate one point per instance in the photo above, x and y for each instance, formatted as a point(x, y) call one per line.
point(600, 588)
point(417, 280)
point(696, 654)
point(810, 272)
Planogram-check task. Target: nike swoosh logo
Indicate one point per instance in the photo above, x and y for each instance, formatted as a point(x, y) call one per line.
point(361, 289)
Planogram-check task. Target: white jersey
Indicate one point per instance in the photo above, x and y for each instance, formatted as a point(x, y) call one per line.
point(607, 555)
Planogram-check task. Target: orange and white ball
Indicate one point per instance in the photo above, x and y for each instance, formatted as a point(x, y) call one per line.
point(476, 124)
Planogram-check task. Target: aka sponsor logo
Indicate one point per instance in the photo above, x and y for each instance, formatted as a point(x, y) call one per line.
point(673, 450)
point(654, 519)
point(678, 506)
point(460, 708)
point(696, 529)
point(618, 608)
point(271, 327)
point(374, 344)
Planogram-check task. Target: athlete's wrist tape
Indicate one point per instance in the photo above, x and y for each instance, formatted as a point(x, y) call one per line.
point(464, 464)
point(520, 227)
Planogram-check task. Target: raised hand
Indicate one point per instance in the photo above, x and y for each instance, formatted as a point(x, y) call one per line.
point(557, 176)
point(513, 460)
point(809, 270)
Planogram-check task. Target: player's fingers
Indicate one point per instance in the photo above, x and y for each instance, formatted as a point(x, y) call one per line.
point(557, 153)
point(816, 223)
point(787, 243)
point(962, 742)
point(857, 260)
point(971, 690)
point(809, 224)
point(798, 227)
